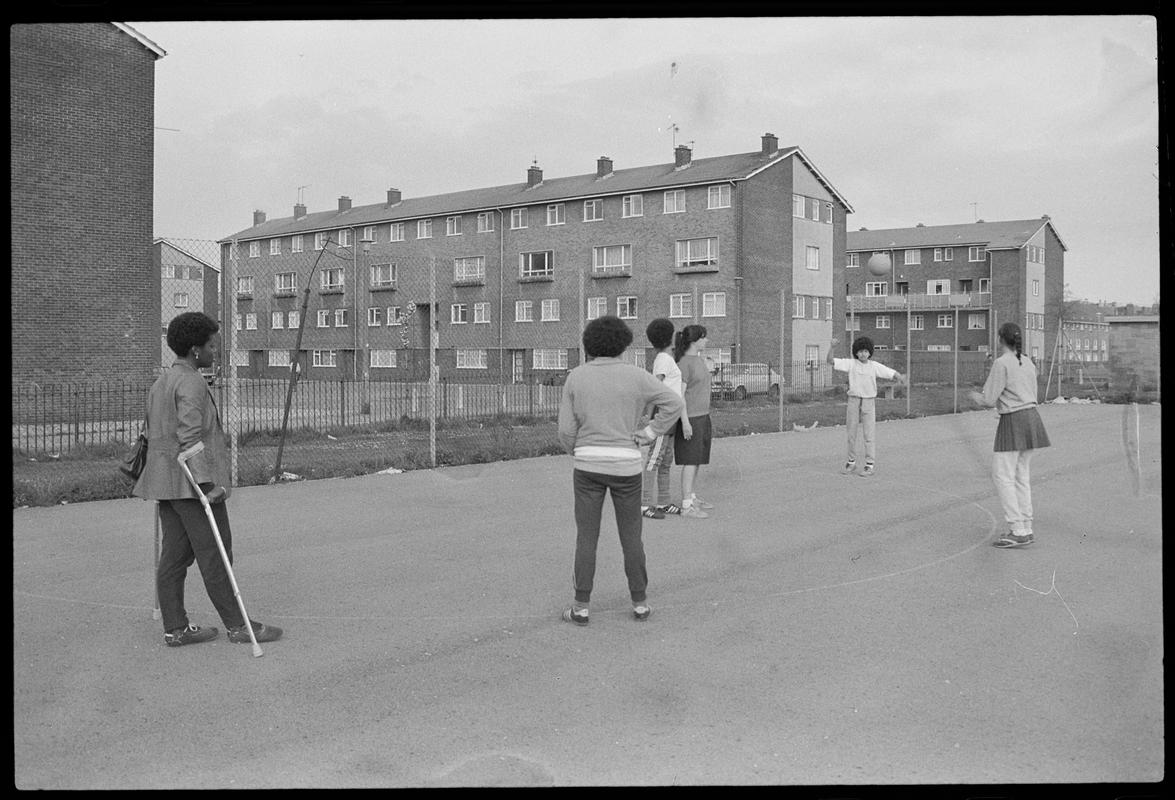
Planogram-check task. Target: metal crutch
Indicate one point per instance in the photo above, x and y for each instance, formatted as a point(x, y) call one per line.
point(183, 458)
point(156, 614)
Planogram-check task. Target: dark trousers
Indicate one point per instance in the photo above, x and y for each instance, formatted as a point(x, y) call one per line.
point(589, 505)
point(188, 537)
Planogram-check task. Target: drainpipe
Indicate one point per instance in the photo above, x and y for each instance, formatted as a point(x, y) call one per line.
point(501, 305)
point(738, 281)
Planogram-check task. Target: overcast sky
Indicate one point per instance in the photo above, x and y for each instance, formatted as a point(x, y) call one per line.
point(932, 120)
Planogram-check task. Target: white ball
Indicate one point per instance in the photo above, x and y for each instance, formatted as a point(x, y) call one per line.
point(879, 264)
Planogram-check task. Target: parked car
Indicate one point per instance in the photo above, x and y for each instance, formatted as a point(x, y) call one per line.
point(739, 381)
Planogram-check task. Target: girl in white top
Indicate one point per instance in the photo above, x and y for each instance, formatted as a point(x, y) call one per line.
point(655, 501)
point(861, 413)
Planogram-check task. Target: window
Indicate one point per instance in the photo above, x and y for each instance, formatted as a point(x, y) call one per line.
point(374, 314)
point(637, 354)
point(536, 265)
point(394, 316)
point(797, 205)
point(948, 254)
point(331, 280)
point(481, 313)
point(828, 213)
point(324, 318)
point(292, 320)
point(901, 288)
point(938, 287)
point(977, 322)
point(323, 358)
point(517, 218)
point(717, 355)
point(369, 233)
point(383, 359)
point(815, 206)
point(277, 320)
point(471, 359)
point(593, 210)
point(471, 268)
point(424, 229)
point(876, 289)
point(853, 323)
point(946, 321)
point(285, 283)
point(524, 311)
point(854, 260)
point(697, 252)
point(917, 322)
point(812, 257)
point(913, 257)
point(296, 243)
point(181, 299)
point(254, 249)
point(452, 226)
point(976, 253)
point(597, 307)
point(675, 201)
point(396, 232)
point(320, 240)
point(718, 196)
point(485, 222)
point(626, 307)
point(799, 306)
point(883, 322)
point(965, 286)
point(1036, 288)
point(985, 285)
point(612, 258)
point(549, 358)
point(632, 205)
point(938, 254)
point(714, 304)
point(555, 214)
point(279, 358)
point(681, 305)
point(344, 237)
point(250, 322)
point(459, 313)
point(341, 318)
point(550, 311)
point(275, 247)
point(383, 276)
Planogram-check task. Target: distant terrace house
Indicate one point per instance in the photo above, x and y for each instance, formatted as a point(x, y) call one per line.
point(954, 285)
point(187, 283)
point(745, 244)
point(84, 293)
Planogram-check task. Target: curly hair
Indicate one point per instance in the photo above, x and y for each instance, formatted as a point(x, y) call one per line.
point(606, 337)
point(188, 330)
point(862, 343)
point(660, 333)
point(1013, 337)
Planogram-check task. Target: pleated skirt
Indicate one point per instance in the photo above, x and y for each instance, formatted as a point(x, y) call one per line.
point(1020, 430)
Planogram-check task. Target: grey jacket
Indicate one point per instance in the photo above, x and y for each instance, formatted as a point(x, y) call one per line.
point(180, 412)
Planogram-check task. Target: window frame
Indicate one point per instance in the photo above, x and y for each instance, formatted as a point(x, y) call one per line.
point(458, 313)
point(678, 208)
point(524, 305)
point(518, 219)
point(717, 302)
point(559, 212)
point(526, 267)
point(597, 206)
point(453, 225)
point(424, 229)
point(546, 304)
point(630, 306)
point(599, 304)
point(624, 267)
point(723, 192)
point(632, 205)
point(688, 262)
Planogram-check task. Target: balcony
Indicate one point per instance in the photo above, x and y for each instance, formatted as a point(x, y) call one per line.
point(918, 302)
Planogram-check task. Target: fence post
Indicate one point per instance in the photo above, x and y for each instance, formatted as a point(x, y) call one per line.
point(342, 403)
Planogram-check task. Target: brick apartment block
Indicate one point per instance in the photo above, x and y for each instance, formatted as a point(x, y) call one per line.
point(727, 242)
point(981, 275)
point(85, 295)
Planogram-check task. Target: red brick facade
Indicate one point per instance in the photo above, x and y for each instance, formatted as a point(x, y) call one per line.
point(85, 295)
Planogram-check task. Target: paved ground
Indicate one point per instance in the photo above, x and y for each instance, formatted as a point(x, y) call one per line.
point(818, 629)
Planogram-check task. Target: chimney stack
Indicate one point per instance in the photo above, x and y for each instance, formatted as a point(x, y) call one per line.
point(603, 166)
point(770, 144)
point(393, 196)
point(344, 203)
point(258, 218)
point(534, 175)
point(681, 156)
point(299, 211)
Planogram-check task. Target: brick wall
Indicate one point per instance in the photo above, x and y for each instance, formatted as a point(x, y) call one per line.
point(767, 242)
point(85, 295)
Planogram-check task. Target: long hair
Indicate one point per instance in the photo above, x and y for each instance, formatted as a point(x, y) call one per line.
point(685, 337)
point(1011, 336)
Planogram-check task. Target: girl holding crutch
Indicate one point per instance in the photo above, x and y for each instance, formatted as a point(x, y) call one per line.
point(182, 416)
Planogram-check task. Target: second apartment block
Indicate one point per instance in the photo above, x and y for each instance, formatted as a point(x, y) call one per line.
point(745, 244)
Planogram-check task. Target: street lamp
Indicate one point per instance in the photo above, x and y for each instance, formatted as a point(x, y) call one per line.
point(365, 246)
